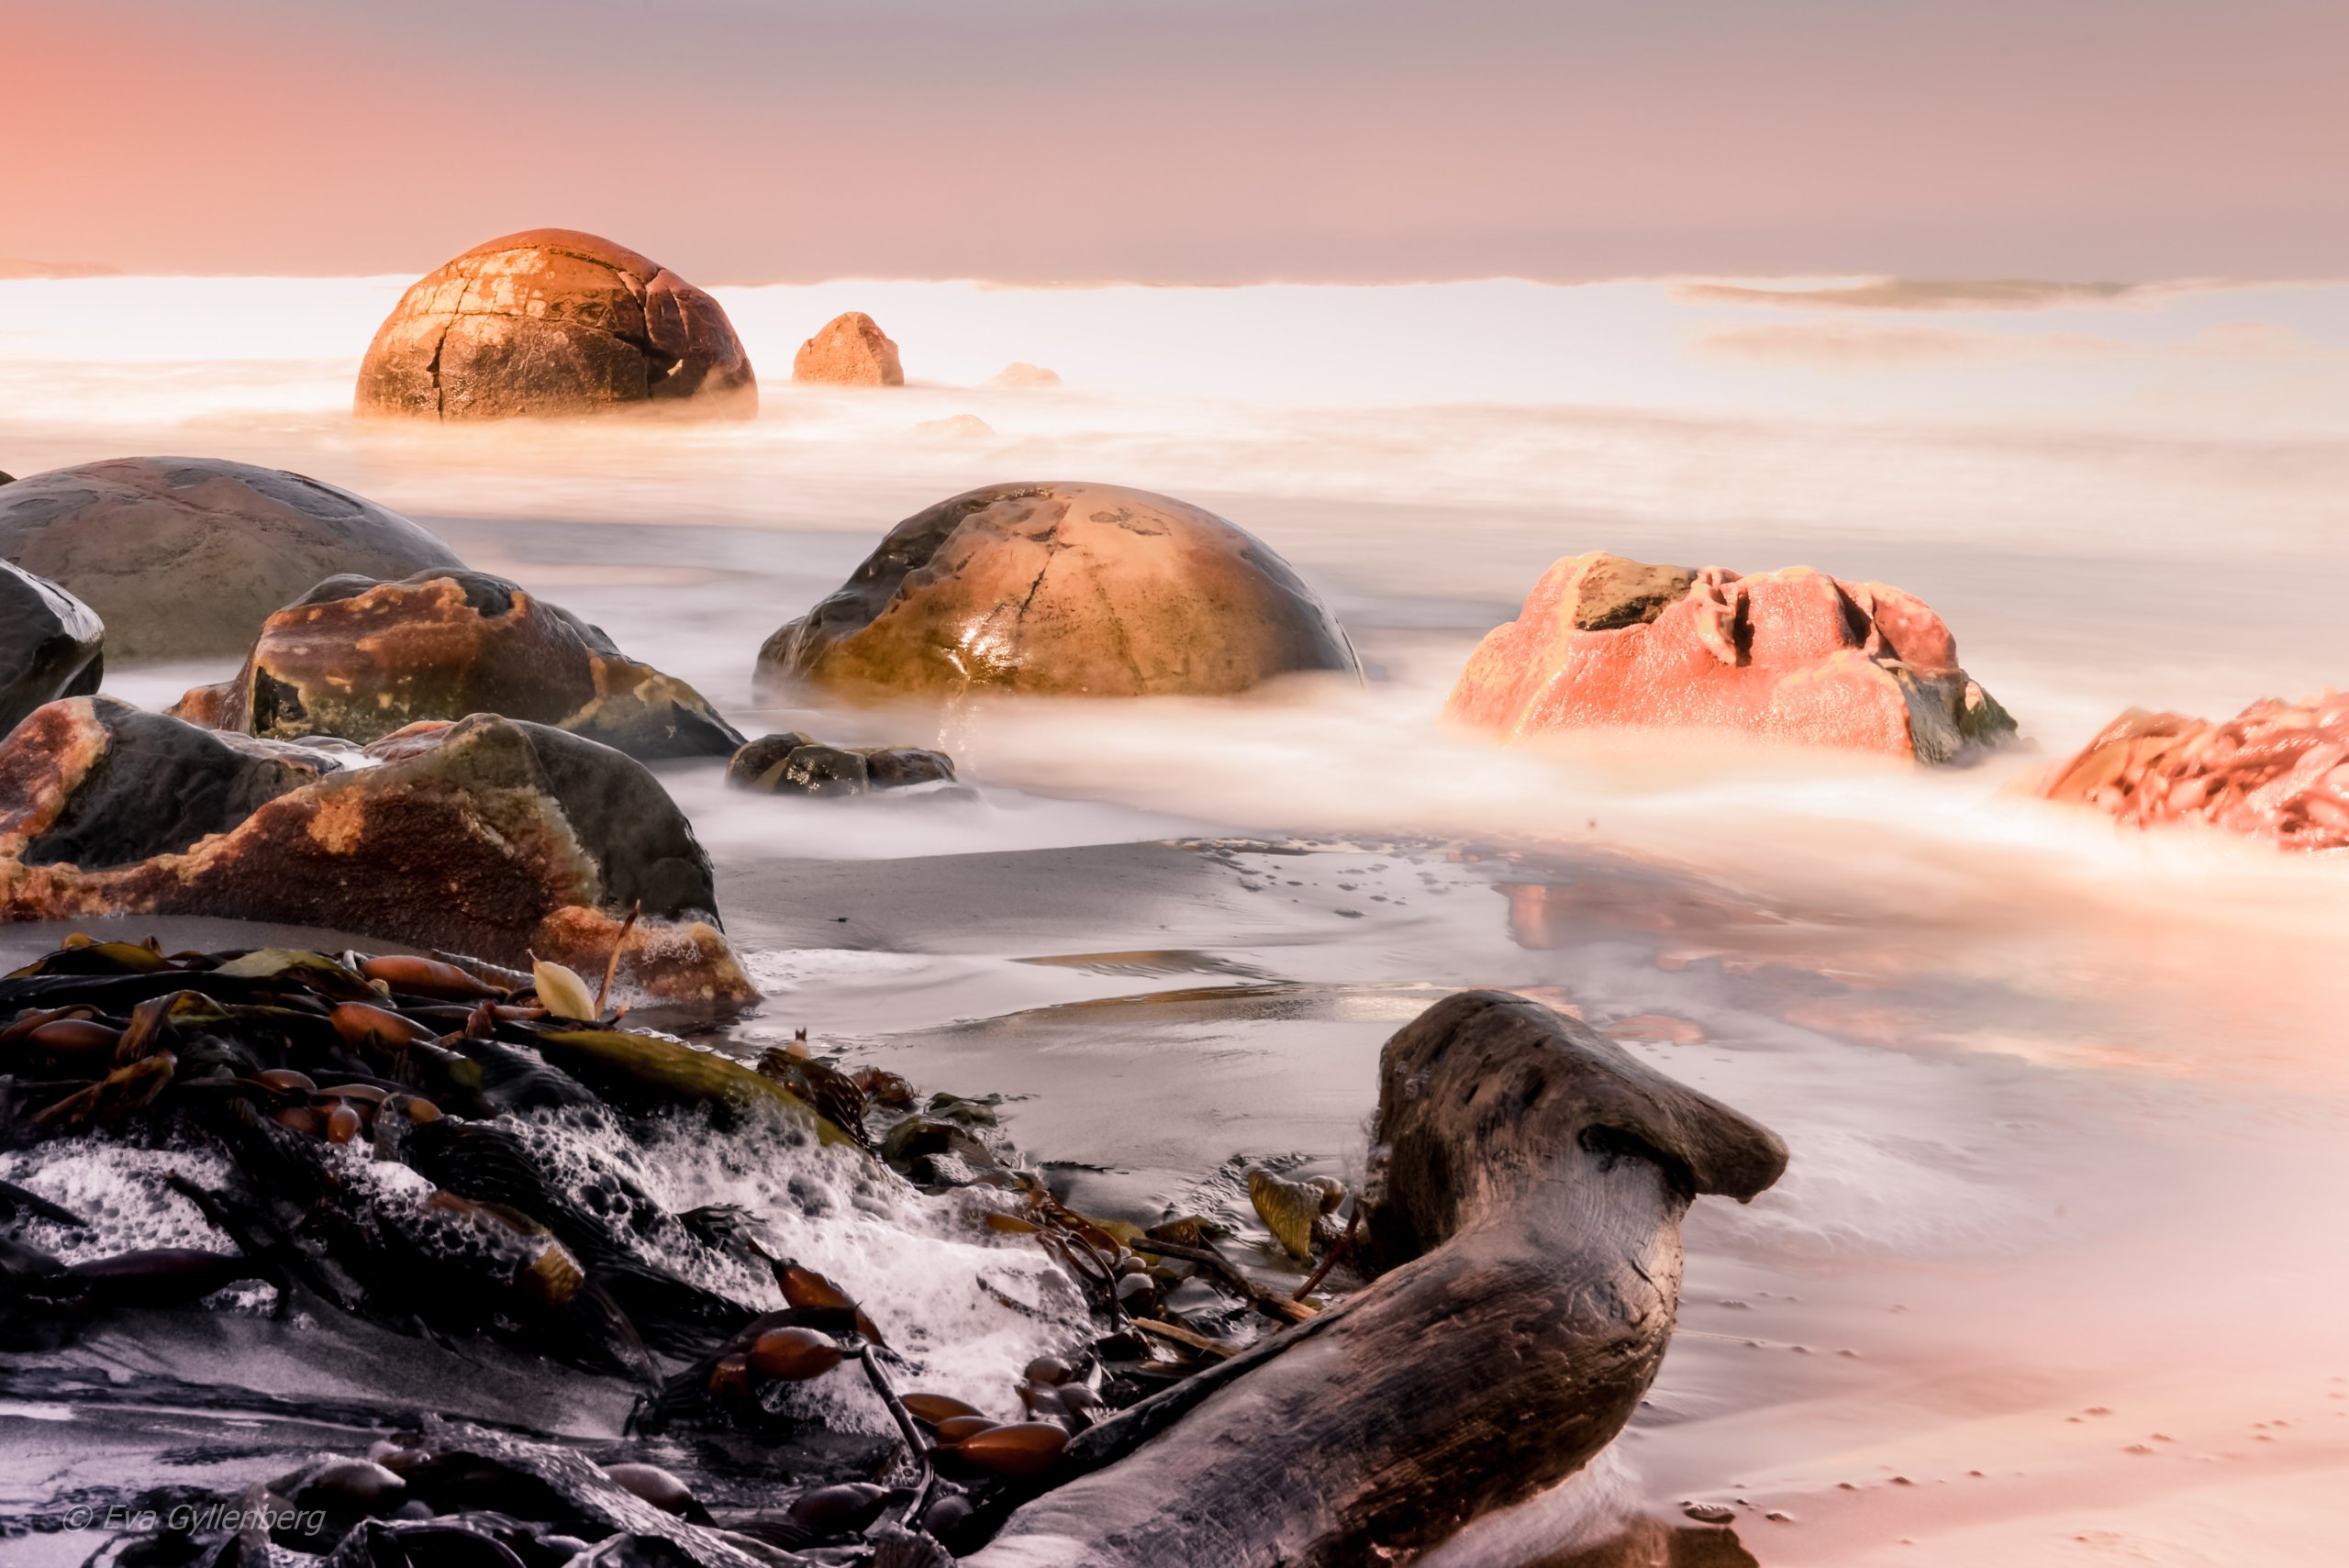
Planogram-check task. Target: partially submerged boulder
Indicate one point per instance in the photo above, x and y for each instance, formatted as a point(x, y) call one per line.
point(1020, 374)
point(359, 658)
point(796, 763)
point(2277, 770)
point(1523, 1226)
point(851, 350)
point(51, 645)
point(550, 322)
point(488, 835)
point(183, 558)
point(1792, 655)
point(1065, 590)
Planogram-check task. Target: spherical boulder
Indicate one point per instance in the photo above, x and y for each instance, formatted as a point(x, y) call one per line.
point(851, 350)
point(554, 322)
point(359, 658)
point(183, 558)
point(1061, 589)
point(1792, 655)
point(51, 645)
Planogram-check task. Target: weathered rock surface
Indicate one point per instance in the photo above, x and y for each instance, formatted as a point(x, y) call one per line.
point(1061, 589)
point(488, 835)
point(1523, 1223)
point(851, 350)
point(2277, 770)
point(554, 322)
point(51, 645)
point(1792, 655)
point(359, 658)
point(794, 763)
point(183, 558)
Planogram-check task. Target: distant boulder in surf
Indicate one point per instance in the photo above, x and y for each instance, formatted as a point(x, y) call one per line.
point(487, 837)
point(851, 350)
point(552, 322)
point(2277, 770)
point(1023, 375)
point(1792, 655)
point(1062, 590)
point(51, 645)
point(954, 427)
point(359, 658)
point(185, 557)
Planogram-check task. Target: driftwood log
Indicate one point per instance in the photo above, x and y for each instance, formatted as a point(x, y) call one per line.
point(1523, 1225)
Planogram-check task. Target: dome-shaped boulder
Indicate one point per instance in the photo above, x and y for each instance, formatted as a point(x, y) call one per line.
point(554, 322)
point(359, 659)
point(1061, 589)
point(51, 645)
point(183, 558)
point(1792, 655)
point(851, 350)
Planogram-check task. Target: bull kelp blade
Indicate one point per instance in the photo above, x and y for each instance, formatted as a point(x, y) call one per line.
point(315, 970)
point(673, 1069)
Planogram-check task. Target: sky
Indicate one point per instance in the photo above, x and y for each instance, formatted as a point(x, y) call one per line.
point(1188, 140)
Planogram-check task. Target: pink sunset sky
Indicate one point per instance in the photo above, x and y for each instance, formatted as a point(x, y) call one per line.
point(1188, 140)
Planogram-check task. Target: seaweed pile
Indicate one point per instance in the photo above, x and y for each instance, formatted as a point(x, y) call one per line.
point(368, 1135)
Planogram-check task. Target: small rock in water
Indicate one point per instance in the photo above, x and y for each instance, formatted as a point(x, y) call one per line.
point(792, 763)
point(1710, 1513)
point(851, 350)
point(1021, 375)
point(954, 427)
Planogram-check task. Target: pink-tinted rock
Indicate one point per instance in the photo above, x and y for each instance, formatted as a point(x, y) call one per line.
point(1793, 656)
point(851, 350)
point(552, 321)
point(2277, 770)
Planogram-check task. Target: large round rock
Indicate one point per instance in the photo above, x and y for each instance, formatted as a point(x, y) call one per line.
point(1061, 589)
point(554, 322)
point(184, 558)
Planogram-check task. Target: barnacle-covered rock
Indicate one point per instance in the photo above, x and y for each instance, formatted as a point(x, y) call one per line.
point(1793, 655)
point(552, 321)
point(488, 836)
point(1063, 590)
point(359, 658)
point(185, 557)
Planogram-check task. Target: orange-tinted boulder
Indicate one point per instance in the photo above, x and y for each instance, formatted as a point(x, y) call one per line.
point(1062, 590)
point(487, 837)
point(2277, 770)
point(359, 659)
point(1792, 655)
point(185, 557)
point(851, 350)
point(550, 322)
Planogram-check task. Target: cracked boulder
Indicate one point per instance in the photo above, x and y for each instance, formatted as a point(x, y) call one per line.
point(488, 836)
point(1061, 589)
point(1793, 656)
point(50, 645)
point(359, 658)
point(851, 350)
point(2277, 772)
point(184, 558)
point(554, 322)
